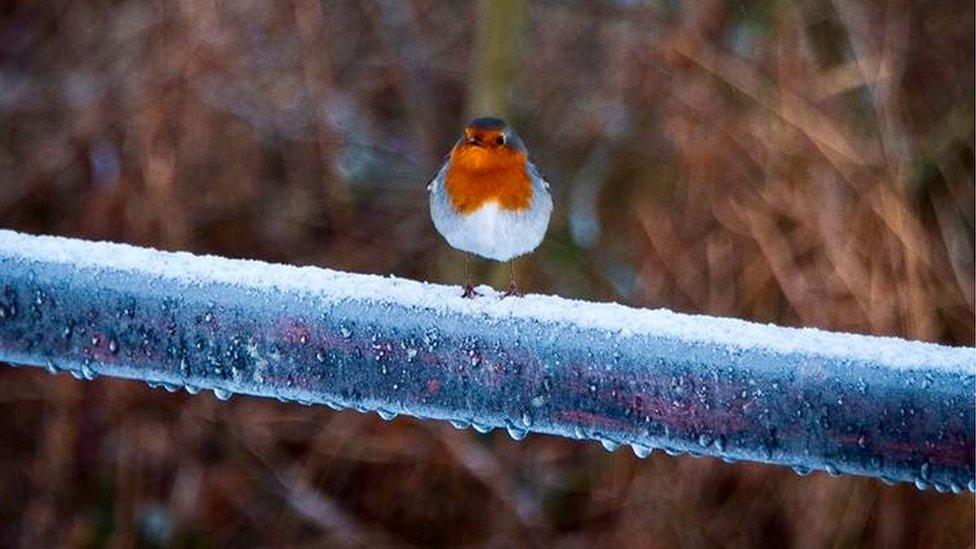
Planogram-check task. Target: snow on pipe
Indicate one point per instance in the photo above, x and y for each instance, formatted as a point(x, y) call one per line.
point(882, 407)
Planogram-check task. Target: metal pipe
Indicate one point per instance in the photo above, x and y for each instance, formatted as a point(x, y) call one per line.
point(880, 407)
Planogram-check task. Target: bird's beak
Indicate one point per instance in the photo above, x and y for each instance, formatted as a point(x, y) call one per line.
point(473, 141)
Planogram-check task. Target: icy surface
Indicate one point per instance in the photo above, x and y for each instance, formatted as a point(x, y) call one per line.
point(808, 399)
point(615, 318)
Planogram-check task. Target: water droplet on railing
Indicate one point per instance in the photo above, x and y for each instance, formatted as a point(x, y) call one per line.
point(191, 389)
point(609, 445)
point(527, 419)
point(802, 471)
point(481, 428)
point(459, 424)
point(704, 440)
point(925, 470)
point(921, 484)
point(333, 404)
point(517, 434)
point(386, 415)
point(87, 372)
point(222, 394)
point(640, 450)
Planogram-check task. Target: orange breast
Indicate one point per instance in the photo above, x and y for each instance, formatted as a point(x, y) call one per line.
point(481, 175)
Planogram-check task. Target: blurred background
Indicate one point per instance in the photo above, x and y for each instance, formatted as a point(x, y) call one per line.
point(804, 163)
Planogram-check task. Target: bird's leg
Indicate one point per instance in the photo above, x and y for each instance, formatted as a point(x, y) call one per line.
point(469, 292)
point(513, 290)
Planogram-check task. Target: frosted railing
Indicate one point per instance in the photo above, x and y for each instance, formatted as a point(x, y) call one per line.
point(809, 399)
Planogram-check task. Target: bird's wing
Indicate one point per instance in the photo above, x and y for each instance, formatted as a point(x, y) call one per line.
point(441, 174)
point(536, 174)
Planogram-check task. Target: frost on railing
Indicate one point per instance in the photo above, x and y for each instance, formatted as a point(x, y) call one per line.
point(653, 379)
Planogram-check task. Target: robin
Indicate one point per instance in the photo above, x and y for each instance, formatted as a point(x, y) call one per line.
point(489, 200)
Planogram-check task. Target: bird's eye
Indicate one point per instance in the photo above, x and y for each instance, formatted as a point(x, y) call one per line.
point(500, 140)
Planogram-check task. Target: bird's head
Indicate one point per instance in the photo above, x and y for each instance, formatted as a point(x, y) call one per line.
point(488, 144)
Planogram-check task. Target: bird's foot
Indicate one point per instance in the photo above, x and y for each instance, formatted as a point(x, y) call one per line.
point(469, 292)
point(513, 291)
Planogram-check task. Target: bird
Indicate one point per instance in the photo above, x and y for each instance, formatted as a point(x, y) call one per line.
point(489, 200)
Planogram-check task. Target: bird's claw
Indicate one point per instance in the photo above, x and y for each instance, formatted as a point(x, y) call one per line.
point(469, 292)
point(513, 291)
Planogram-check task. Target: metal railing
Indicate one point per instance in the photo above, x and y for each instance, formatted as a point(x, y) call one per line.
point(882, 407)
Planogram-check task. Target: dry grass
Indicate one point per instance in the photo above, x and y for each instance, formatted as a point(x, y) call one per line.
point(805, 163)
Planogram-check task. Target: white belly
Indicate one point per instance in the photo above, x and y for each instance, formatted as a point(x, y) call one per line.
point(491, 231)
